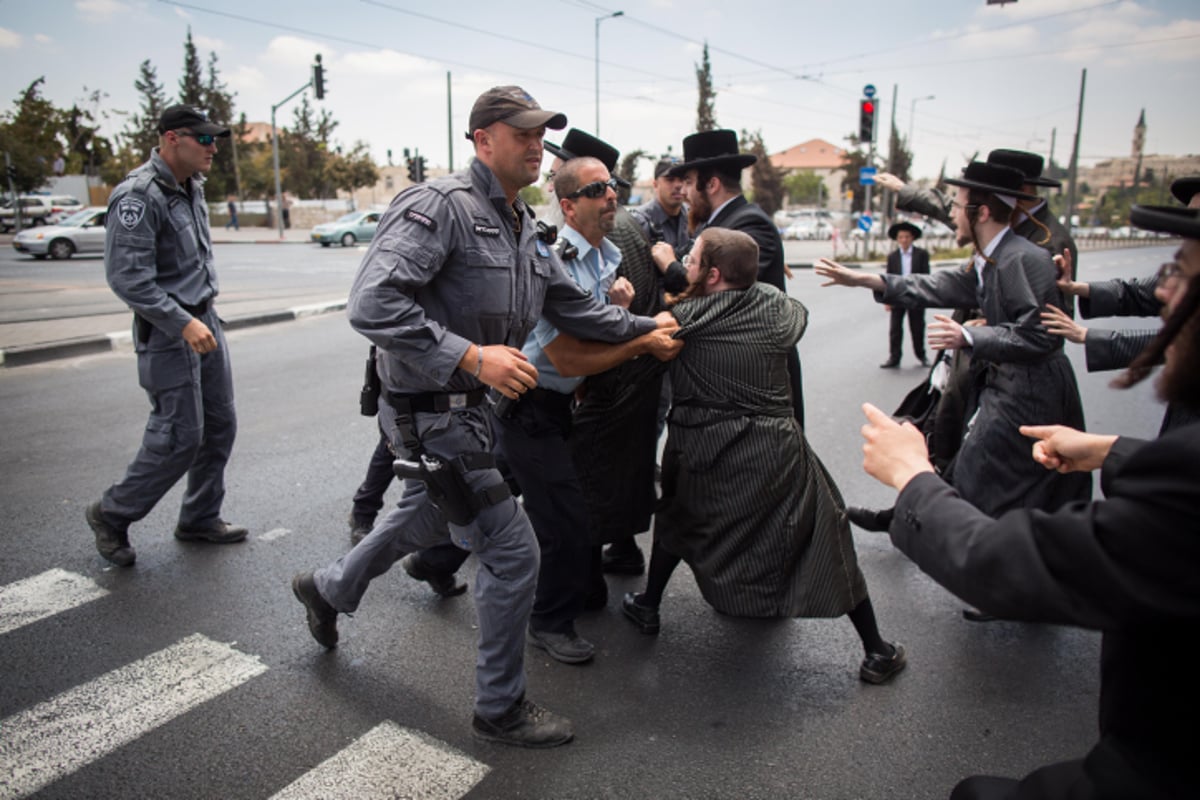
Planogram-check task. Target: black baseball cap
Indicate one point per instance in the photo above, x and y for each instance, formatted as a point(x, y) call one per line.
point(194, 119)
point(514, 106)
point(664, 165)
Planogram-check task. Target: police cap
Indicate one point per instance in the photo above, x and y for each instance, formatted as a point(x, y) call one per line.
point(194, 119)
point(514, 106)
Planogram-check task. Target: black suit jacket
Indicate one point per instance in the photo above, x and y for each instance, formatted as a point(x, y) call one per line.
point(1128, 565)
point(920, 261)
point(742, 215)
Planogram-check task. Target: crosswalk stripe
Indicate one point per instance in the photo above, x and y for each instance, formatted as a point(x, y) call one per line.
point(41, 596)
point(57, 737)
point(390, 761)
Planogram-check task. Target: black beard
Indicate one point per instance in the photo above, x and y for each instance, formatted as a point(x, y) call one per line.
point(698, 213)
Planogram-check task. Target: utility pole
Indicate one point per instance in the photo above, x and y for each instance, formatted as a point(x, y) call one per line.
point(1074, 169)
point(891, 167)
point(449, 125)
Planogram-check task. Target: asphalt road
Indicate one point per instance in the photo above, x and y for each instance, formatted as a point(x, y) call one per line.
point(714, 707)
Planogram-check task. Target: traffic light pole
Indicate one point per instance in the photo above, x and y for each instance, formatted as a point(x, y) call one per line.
point(318, 75)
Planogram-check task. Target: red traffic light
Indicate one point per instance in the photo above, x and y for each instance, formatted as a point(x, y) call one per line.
point(868, 106)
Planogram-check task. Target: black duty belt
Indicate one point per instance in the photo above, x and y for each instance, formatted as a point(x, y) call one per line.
point(436, 402)
point(198, 310)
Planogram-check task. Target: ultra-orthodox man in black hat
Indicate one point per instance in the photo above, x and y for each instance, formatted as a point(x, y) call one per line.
point(906, 259)
point(1020, 368)
point(712, 171)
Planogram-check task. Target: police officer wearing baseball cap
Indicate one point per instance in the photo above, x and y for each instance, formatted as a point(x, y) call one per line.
point(158, 258)
point(454, 281)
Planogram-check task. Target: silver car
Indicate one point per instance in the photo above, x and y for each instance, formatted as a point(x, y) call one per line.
point(82, 232)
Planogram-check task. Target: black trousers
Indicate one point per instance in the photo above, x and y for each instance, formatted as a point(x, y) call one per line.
point(533, 442)
point(916, 326)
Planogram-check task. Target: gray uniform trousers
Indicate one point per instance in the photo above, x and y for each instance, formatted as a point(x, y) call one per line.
point(191, 430)
point(501, 537)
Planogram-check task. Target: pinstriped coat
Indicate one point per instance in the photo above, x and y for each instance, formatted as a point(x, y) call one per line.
point(745, 501)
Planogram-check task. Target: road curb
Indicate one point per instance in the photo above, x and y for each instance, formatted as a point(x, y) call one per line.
point(24, 355)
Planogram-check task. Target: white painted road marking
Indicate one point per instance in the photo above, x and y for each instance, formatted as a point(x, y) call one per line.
point(57, 737)
point(274, 533)
point(390, 761)
point(32, 599)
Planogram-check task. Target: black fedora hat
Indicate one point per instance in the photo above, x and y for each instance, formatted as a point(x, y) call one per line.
point(712, 149)
point(1183, 222)
point(904, 226)
point(994, 179)
point(577, 143)
point(1030, 164)
point(1185, 188)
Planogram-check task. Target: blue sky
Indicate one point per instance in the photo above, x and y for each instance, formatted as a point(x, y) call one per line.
point(999, 76)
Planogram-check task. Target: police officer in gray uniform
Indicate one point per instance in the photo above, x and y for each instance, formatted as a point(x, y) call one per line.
point(158, 259)
point(455, 279)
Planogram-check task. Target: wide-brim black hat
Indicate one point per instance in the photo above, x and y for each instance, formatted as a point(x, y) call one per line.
point(1183, 222)
point(994, 179)
point(578, 144)
point(904, 226)
point(1185, 188)
point(1031, 164)
point(712, 149)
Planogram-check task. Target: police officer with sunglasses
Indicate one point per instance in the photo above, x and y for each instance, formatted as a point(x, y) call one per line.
point(158, 259)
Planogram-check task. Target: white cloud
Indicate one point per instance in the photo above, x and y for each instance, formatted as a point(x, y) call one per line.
point(207, 44)
point(980, 41)
point(293, 51)
point(245, 79)
point(9, 39)
point(1110, 36)
point(100, 10)
point(383, 64)
point(42, 38)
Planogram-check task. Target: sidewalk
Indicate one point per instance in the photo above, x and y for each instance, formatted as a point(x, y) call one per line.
point(76, 334)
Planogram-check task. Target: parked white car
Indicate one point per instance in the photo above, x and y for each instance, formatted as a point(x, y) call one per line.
point(39, 209)
point(82, 232)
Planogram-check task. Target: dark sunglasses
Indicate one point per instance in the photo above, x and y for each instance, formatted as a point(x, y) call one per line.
point(204, 139)
point(595, 189)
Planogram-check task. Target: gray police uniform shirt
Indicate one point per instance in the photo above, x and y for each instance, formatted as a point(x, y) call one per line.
point(158, 249)
point(674, 229)
point(446, 270)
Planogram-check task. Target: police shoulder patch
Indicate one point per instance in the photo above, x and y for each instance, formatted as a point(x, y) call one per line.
point(130, 211)
point(420, 219)
point(486, 230)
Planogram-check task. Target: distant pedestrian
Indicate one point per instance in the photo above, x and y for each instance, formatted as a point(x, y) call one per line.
point(907, 259)
point(60, 165)
point(233, 214)
point(158, 259)
point(287, 211)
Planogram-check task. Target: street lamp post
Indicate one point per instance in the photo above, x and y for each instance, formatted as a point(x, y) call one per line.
point(912, 111)
point(598, 21)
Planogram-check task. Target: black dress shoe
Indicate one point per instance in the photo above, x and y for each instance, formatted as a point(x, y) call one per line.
point(890, 364)
point(219, 532)
point(871, 519)
point(880, 668)
point(623, 562)
point(644, 617)
point(972, 614)
point(526, 724)
point(442, 584)
point(924, 361)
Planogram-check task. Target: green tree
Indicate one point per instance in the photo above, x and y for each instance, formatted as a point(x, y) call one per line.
point(352, 170)
point(29, 134)
point(900, 157)
point(766, 180)
point(218, 102)
point(803, 187)
point(856, 159)
point(533, 195)
point(191, 84)
point(706, 107)
point(140, 135)
point(627, 171)
point(87, 151)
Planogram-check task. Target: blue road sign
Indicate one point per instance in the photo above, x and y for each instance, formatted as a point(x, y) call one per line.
point(869, 91)
point(866, 175)
point(864, 223)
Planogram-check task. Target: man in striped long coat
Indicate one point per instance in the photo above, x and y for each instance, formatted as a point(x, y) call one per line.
point(745, 502)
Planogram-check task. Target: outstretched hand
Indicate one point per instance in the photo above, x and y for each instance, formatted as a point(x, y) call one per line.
point(1065, 449)
point(1060, 324)
point(893, 453)
point(505, 369)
